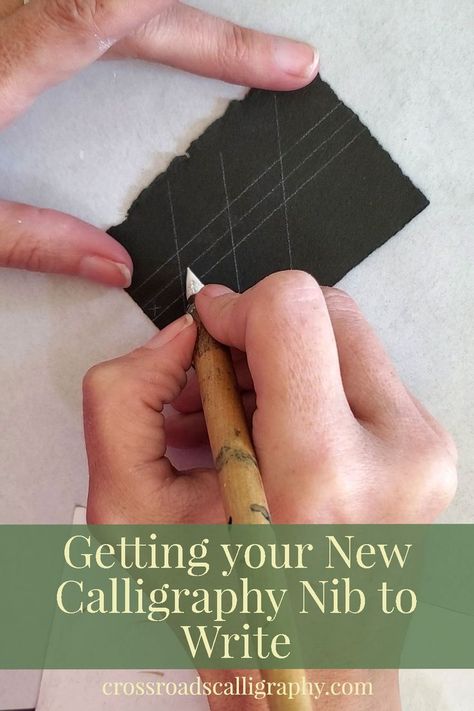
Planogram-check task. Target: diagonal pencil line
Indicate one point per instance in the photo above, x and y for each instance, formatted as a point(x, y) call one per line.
point(328, 162)
point(267, 169)
point(210, 247)
point(218, 239)
point(283, 186)
point(311, 129)
point(175, 235)
point(237, 197)
point(315, 150)
point(252, 208)
point(295, 192)
point(229, 217)
point(288, 150)
point(265, 219)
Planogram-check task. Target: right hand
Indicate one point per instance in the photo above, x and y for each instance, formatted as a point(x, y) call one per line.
point(338, 437)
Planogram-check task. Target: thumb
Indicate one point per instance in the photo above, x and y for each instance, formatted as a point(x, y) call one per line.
point(193, 40)
point(49, 241)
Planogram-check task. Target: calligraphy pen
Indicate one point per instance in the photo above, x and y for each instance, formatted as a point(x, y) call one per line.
point(234, 456)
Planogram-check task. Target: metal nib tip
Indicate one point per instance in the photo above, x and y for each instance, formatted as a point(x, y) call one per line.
point(193, 285)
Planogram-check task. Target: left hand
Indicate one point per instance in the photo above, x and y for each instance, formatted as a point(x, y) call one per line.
point(46, 41)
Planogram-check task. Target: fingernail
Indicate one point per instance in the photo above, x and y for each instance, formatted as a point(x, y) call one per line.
point(105, 271)
point(213, 290)
point(170, 331)
point(296, 58)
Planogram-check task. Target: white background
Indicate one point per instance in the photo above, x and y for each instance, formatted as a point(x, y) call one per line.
point(89, 146)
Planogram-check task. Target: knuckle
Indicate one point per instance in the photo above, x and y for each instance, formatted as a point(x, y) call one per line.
point(437, 478)
point(100, 381)
point(288, 300)
point(24, 253)
point(297, 279)
point(235, 46)
point(86, 15)
point(284, 288)
point(12, 253)
point(338, 301)
point(449, 445)
point(33, 261)
point(92, 381)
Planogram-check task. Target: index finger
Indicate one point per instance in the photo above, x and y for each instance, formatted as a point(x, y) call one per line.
point(283, 325)
point(48, 241)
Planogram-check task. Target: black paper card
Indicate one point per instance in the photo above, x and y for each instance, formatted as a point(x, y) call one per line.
point(282, 180)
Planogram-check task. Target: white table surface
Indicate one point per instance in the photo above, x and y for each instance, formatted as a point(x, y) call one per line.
point(89, 146)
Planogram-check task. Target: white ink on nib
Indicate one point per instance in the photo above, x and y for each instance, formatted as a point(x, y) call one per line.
point(193, 284)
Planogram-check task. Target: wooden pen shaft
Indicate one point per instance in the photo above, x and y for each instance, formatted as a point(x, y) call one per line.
point(231, 444)
point(236, 463)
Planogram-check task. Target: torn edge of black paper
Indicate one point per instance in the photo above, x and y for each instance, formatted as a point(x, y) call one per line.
point(288, 180)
